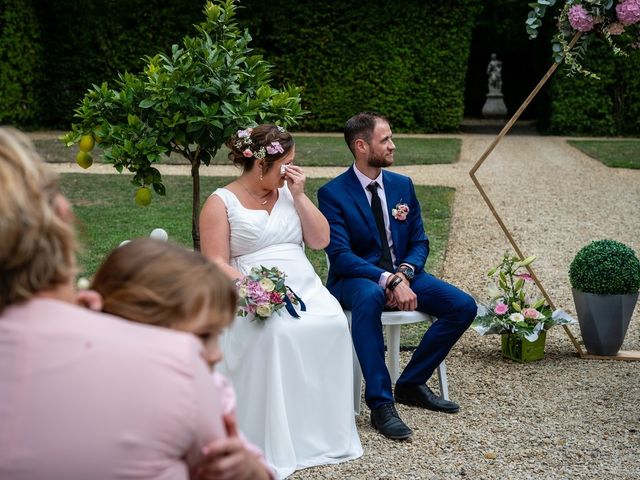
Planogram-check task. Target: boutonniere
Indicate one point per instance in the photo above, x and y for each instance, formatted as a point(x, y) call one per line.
point(400, 211)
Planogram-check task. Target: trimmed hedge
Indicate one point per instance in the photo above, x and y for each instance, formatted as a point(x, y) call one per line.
point(609, 106)
point(404, 58)
point(89, 42)
point(20, 53)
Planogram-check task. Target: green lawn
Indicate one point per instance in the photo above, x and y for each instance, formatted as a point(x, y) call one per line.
point(310, 151)
point(612, 153)
point(107, 215)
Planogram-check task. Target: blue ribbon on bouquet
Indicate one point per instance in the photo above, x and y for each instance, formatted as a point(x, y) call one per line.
point(289, 306)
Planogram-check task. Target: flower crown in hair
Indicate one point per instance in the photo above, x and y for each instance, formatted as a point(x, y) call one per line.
point(244, 143)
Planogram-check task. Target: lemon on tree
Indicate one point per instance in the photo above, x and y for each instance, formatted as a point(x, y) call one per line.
point(84, 159)
point(143, 196)
point(87, 143)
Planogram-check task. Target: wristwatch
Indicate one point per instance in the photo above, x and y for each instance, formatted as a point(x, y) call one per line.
point(406, 271)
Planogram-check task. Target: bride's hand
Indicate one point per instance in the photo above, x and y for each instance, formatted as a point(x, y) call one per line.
point(295, 179)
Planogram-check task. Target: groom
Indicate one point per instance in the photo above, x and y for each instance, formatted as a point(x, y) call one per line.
point(377, 253)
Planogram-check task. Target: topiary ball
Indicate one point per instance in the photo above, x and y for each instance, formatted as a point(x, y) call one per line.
point(605, 267)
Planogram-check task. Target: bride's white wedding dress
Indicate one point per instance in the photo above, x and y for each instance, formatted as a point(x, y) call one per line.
point(293, 376)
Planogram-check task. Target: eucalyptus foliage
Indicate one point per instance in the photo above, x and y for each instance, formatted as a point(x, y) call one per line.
point(605, 267)
point(187, 102)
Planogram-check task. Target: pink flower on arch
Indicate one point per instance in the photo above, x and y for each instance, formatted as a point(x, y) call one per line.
point(580, 19)
point(500, 309)
point(615, 28)
point(628, 12)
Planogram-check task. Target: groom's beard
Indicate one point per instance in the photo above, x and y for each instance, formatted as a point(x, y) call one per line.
point(380, 161)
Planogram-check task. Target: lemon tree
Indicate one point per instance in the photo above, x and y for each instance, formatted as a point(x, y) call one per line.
point(186, 102)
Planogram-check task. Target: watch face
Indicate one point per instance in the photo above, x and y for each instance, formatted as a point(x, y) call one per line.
point(407, 271)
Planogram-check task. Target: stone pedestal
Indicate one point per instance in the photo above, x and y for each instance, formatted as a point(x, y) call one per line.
point(494, 106)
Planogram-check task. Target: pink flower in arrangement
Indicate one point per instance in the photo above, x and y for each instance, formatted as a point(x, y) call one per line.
point(580, 19)
point(525, 276)
point(275, 297)
point(247, 153)
point(531, 313)
point(615, 28)
point(628, 12)
point(500, 309)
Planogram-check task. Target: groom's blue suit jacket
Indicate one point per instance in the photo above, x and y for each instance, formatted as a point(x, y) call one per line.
point(354, 248)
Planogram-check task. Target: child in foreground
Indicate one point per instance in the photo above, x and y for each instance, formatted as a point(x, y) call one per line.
point(156, 283)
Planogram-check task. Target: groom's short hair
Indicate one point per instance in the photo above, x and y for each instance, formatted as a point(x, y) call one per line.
point(361, 125)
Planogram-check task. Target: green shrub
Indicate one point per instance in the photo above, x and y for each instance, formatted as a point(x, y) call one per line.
point(605, 267)
point(609, 106)
point(89, 42)
point(404, 58)
point(20, 53)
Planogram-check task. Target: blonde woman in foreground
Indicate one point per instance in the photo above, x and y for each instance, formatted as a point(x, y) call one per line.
point(84, 395)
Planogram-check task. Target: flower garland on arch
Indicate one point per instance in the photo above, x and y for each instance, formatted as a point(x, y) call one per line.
point(616, 21)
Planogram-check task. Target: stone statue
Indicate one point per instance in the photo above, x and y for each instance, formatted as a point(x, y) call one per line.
point(494, 70)
point(494, 106)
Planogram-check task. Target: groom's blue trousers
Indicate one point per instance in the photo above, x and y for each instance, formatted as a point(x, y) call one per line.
point(454, 309)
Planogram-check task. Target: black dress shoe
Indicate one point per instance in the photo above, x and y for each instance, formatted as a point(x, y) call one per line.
point(386, 420)
point(423, 396)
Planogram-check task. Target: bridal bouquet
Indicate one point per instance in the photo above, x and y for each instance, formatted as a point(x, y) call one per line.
point(511, 307)
point(263, 291)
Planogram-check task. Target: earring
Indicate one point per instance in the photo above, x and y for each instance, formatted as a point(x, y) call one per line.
point(260, 177)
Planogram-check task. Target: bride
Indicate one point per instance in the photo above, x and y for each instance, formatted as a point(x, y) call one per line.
point(293, 376)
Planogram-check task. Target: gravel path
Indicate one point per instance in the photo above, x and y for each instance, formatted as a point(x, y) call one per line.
point(561, 417)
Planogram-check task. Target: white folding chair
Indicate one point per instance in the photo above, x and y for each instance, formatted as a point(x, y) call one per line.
point(392, 322)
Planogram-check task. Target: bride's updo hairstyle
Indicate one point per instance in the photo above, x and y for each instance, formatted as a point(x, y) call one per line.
point(264, 142)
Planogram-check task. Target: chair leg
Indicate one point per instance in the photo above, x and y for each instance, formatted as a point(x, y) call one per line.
point(442, 380)
point(357, 384)
point(357, 372)
point(393, 351)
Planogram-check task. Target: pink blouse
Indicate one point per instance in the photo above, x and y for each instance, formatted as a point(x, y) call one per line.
point(84, 395)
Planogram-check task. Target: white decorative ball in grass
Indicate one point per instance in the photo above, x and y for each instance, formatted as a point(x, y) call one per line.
point(159, 234)
point(83, 283)
point(124, 242)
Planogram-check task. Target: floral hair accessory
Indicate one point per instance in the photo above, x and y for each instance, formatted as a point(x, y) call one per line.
point(280, 129)
point(243, 142)
point(400, 211)
point(274, 148)
point(246, 133)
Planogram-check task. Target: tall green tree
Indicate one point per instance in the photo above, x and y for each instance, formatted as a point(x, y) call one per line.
point(188, 102)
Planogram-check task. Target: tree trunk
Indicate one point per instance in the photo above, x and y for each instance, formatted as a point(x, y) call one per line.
point(195, 203)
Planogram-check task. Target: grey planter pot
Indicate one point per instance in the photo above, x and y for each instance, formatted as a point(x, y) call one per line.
point(604, 320)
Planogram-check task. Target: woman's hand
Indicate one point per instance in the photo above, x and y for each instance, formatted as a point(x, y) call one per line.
point(89, 299)
point(295, 179)
point(229, 459)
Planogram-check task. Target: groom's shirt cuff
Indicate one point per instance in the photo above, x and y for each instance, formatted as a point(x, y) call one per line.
point(384, 278)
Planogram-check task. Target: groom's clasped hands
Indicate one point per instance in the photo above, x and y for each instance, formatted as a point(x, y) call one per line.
point(402, 297)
